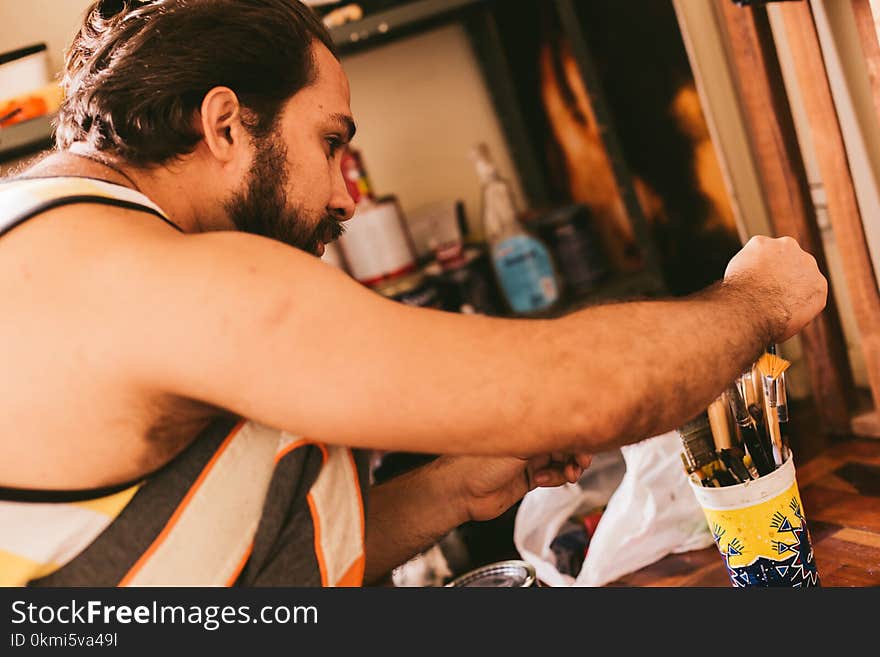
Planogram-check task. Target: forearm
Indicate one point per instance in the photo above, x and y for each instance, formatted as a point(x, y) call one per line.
point(639, 369)
point(605, 376)
point(408, 514)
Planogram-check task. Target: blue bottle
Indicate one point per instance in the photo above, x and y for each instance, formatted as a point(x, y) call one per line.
point(522, 263)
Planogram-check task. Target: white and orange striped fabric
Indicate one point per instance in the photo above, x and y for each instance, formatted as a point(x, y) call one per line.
point(225, 504)
point(208, 539)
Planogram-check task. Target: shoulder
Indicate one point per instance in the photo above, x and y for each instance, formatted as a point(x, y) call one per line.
point(119, 280)
point(118, 258)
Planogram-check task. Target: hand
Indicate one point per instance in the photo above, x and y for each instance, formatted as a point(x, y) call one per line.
point(492, 484)
point(787, 276)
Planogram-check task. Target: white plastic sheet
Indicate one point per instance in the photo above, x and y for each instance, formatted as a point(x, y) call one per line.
point(651, 512)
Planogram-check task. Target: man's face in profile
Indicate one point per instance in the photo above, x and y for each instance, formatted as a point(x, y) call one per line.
point(295, 191)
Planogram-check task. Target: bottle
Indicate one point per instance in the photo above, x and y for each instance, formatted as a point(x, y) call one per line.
point(356, 180)
point(521, 262)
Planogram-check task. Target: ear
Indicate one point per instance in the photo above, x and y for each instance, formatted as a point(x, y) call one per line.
point(220, 119)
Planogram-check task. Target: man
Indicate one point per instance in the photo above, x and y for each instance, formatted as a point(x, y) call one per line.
point(158, 273)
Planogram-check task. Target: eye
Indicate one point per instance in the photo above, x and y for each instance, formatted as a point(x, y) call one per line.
point(334, 144)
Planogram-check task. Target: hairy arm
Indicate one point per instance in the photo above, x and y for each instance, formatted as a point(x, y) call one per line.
point(408, 514)
point(413, 511)
point(275, 335)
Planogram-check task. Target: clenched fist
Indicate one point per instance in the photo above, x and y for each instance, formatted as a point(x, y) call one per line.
point(786, 278)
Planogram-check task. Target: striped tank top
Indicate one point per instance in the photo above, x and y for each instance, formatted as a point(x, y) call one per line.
point(244, 504)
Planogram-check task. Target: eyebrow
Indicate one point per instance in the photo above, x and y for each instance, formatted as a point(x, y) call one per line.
point(346, 123)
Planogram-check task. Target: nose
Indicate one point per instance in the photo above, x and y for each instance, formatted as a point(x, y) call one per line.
point(342, 205)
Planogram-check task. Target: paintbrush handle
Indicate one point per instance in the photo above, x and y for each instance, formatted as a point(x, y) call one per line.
point(733, 459)
point(761, 456)
point(772, 424)
point(781, 399)
point(719, 423)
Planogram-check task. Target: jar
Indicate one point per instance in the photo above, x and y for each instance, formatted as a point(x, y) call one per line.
point(570, 234)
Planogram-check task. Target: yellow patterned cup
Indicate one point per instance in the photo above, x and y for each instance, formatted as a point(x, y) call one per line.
point(760, 530)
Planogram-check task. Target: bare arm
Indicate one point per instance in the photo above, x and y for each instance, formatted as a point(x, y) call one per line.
point(412, 511)
point(273, 334)
point(408, 514)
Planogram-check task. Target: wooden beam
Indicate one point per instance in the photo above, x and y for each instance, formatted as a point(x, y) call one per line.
point(843, 208)
point(774, 140)
point(870, 47)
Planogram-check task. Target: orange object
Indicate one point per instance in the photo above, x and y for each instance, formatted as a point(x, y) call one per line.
point(591, 520)
point(22, 109)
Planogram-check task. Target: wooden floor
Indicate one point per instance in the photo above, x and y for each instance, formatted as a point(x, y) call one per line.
point(839, 482)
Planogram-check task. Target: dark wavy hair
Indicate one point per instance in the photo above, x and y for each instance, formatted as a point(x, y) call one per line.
point(137, 71)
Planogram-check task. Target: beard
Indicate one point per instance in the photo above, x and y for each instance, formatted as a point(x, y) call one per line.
point(262, 207)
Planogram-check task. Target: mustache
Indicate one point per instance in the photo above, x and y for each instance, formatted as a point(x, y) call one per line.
point(329, 229)
point(337, 229)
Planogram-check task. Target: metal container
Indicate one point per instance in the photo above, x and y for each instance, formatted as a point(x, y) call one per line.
point(504, 574)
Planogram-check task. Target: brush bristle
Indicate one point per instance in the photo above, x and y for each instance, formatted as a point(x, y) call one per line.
point(772, 365)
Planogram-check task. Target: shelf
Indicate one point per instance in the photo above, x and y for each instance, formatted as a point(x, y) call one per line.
point(26, 137)
point(392, 23)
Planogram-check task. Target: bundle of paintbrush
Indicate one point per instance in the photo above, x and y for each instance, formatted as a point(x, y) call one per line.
point(738, 438)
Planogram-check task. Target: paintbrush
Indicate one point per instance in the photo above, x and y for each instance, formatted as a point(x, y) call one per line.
point(771, 367)
point(753, 391)
point(757, 386)
point(719, 423)
point(695, 474)
point(771, 424)
point(781, 404)
point(781, 399)
point(734, 464)
point(763, 429)
point(781, 396)
point(721, 474)
point(782, 412)
point(748, 428)
point(750, 387)
point(688, 469)
point(724, 436)
point(696, 438)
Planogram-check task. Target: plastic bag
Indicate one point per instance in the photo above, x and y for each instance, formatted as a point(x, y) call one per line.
point(429, 568)
point(650, 512)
